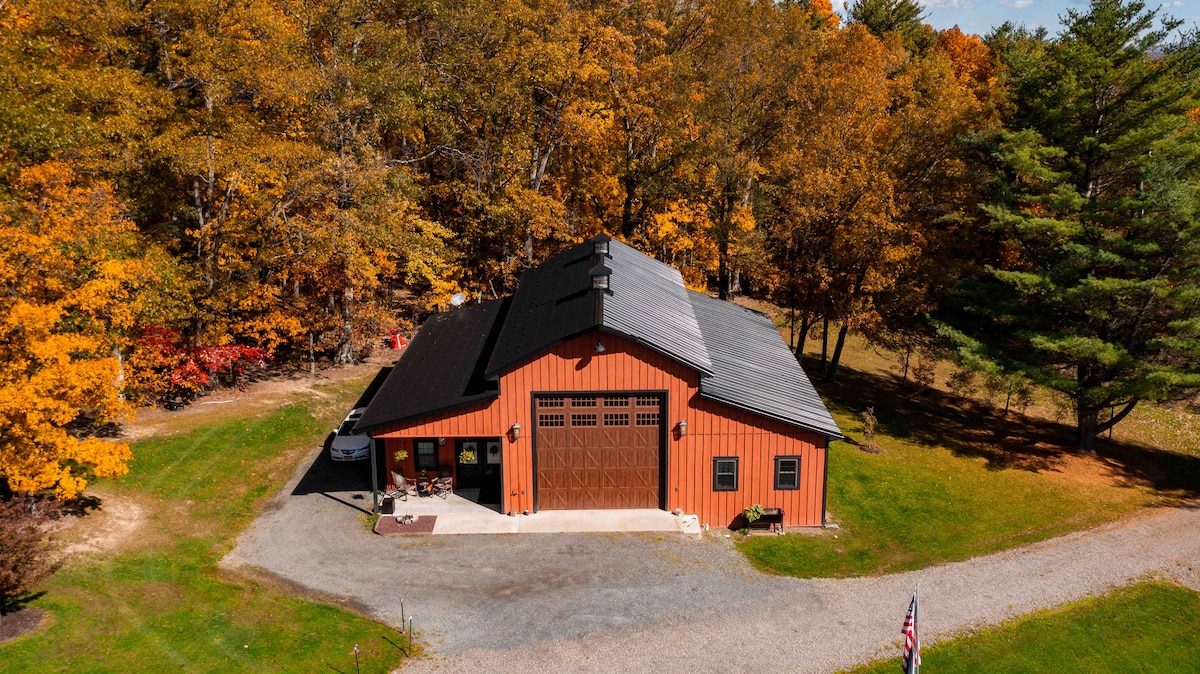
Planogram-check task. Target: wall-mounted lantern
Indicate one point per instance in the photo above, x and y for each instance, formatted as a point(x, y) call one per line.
point(515, 431)
point(600, 347)
point(682, 428)
point(601, 245)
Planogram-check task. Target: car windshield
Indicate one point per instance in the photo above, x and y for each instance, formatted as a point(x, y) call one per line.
point(347, 428)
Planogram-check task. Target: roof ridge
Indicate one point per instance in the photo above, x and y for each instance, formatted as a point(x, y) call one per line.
point(645, 301)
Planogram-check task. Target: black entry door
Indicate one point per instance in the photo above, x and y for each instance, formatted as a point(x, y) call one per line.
point(478, 463)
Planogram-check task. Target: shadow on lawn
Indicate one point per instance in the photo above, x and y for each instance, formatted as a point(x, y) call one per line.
point(1016, 441)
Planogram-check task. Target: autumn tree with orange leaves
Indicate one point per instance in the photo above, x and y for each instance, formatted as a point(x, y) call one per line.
point(71, 281)
point(286, 180)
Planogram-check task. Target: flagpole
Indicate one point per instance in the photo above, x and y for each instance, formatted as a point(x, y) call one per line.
point(911, 651)
point(917, 629)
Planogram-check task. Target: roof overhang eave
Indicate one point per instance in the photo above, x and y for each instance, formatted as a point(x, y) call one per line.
point(471, 402)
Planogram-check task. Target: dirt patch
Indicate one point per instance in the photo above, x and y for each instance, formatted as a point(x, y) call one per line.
point(21, 622)
point(1091, 469)
point(116, 525)
point(268, 393)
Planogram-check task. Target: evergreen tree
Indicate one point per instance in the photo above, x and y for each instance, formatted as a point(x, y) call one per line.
point(1093, 286)
point(905, 17)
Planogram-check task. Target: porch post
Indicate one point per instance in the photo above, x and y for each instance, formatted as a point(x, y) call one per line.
point(374, 481)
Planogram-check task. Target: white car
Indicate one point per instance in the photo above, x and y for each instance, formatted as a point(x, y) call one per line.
point(348, 445)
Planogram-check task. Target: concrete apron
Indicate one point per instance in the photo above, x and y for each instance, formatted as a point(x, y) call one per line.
point(457, 515)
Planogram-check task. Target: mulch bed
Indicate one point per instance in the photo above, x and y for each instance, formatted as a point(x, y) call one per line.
point(389, 526)
point(19, 623)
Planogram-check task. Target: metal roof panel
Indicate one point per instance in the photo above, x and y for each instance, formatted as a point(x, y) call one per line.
point(441, 369)
point(754, 369)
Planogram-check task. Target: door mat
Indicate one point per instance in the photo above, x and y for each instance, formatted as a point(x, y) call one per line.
point(389, 525)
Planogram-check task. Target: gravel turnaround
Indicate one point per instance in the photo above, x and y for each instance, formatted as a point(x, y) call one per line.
point(651, 603)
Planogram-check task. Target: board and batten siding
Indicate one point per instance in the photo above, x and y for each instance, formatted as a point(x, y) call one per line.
point(713, 429)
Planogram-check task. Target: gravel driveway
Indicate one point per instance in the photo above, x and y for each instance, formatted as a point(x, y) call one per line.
point(640, 602)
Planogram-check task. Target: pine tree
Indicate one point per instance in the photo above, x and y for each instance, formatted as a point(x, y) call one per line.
point(1093, 287)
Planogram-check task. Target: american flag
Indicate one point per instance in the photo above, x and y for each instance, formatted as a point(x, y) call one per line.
point(911, 661)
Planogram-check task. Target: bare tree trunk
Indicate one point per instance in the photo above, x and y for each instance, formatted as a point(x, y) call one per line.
point(345, 350)
point(802, 338)
point(805, 324)
point(824, 342)
point(723, 266)
point(831, 373)
point(119, 382)
point(1085, 428)
point(312, 355)
point(792, 317)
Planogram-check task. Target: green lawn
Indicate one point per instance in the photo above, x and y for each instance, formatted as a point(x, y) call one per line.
point(958, 479)
point(163, 605)
point(1151, 627)
point(917, 505)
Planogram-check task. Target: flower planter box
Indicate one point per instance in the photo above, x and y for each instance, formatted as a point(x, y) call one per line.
point(772, 519)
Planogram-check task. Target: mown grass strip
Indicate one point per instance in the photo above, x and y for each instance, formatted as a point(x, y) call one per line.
point(164, 605)
point(1149, 627)
point(918, 504)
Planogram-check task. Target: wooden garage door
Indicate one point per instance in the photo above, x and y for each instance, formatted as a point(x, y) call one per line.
point(598, 451)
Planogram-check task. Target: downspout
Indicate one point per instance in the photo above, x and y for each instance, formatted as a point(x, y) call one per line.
point(825, 484)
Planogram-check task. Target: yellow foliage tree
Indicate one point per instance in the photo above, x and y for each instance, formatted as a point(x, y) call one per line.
point(69, 287)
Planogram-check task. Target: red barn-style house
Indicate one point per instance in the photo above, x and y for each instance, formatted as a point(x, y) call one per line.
point(605, 383)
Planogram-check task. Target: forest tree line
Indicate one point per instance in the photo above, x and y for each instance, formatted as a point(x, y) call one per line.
point(188, 187)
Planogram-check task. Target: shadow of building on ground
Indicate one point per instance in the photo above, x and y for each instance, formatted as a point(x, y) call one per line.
point(1005, 441)
point(333, 479)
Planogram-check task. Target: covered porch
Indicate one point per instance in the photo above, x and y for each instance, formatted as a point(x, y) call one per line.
point(473, 466)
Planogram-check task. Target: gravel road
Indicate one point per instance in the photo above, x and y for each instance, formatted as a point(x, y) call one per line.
point(645, 603)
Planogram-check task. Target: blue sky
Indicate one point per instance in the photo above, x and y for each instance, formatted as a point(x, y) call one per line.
point(980, 16)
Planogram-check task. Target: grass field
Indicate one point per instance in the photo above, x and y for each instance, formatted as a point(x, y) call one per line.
point(1150, 627)
point(958, 478)
point(160, 602)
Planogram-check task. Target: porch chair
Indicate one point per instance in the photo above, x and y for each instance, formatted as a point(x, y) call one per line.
point(443, 486)
point(400, 488)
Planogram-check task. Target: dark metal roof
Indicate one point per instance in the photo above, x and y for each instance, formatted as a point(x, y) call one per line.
point(754, 369)
point(442, 368)
point(554, 302)
point(455, 359)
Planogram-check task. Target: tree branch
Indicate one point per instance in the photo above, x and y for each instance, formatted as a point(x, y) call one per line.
point(1100, 428)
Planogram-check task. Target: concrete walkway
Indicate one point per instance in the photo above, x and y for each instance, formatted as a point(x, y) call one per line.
point(457, 515)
